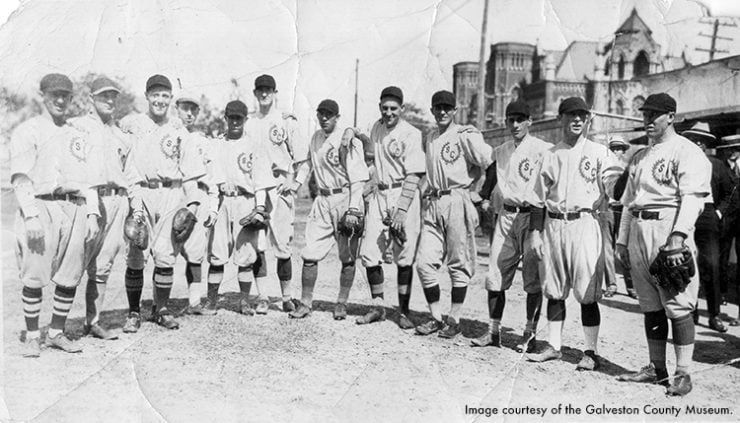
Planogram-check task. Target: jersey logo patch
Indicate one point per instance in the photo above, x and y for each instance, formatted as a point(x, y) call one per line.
point(396, 148)
point(450, 153)
point(170, 148)
point(332, 157)
point(525, 169)
point(663, 172)
point(277, 135)
point(245, 162)
point(77, 147)
point(587, 169)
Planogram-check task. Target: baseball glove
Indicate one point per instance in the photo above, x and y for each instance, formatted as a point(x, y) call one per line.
point(136, 231)
point(352, 228)
point(182, 225)
point(256, 219)
point(673, 277)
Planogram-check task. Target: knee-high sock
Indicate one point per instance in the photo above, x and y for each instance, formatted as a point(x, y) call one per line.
point(534, 306)
point(63, 299)
point(458, 299)
point(591, 320)
point(308, 281)
point(375, 279)
point(31, 310)
point(215, 277)
point(162, 287)
point(684, 333)
point(405, 276)
point(556, 320)
point(496, 304)
point(94, 297)
point(245, 277)
point(134, 281)
point(346, 279)
point(259, 269)
point(432, 294)
point(285, 275)
point(656, 332)
point(193, 274)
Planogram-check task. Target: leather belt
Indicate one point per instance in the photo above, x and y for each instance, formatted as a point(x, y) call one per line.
point(646, 214)
point(515, 209)
point(438, 193)
point(326, 192)
point(383, 187)
point(567, 216)
point(106, 191)
point(238, 191)
point(166, 183)
point(71, 197)
point(616, 207)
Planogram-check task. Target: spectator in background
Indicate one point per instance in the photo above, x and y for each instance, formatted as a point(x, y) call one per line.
point(729, 152)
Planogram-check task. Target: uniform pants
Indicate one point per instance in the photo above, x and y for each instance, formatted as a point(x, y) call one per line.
point(194, 248)
point(102, 252)
point(228, 237)
point(280, 226)
point(511, 245)
point(377, 240)
point(322, 233)
point(160, 206)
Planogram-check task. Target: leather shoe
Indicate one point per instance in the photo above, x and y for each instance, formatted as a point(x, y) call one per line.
point(262, 307)
point(133, 322)
point(245, 308)
point(429, 327)
point(302, 311)
point(290, 305)
point(405, 323)
point(97, 331)
point(632, 293)
point(648, 374)
point(716, 323)
point(165, 319)
point(63, 343)
point(547, 354)
point(340, 311)
point(32, 348)
point(489, 339)
point(377, 314)
point(680, 386)
point(589, 361)
point(610, 291)
point(450, 329)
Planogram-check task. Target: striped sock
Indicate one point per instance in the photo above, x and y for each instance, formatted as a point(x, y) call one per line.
point(162, 287)
point(308, 281)
point(375, 280)
point(63, 299)
point(285, 274)
point(31, 307)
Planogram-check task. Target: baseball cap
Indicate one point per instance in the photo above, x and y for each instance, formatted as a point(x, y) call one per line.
point(660, 102)
point(573, 104)
point(102, 84)
point(517, 108)
point(265, 81)
point(188, 97)
point(443, 98)
point(700, 133)
point(236, 107)
point(330, 106)
point(617, 142)
point(158, 81)
point(55, 82)
point(394, 92)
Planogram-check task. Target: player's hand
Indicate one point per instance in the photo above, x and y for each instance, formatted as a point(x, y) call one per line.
point(675, 243)
point(193, 208)
point(399, 220)
point(211, 219)
point(623, 255)
point(537, 245)
point(351, 220)
point(92, 227)
point(485, 205)
point(347, 136)
point(35, 234)
point(289, 187)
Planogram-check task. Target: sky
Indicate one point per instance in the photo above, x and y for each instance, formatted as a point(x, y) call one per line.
point(218, 47)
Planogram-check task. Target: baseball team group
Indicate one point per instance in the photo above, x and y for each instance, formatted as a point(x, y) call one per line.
point(152, 186)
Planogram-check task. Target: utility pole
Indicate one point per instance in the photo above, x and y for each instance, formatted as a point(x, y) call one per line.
point(713, 46)
point(482, 70)
point(357, 75)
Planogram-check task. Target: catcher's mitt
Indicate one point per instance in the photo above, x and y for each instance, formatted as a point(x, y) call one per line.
point(673, 277)
point(182, 225)
point(136, 231)
point(349, 228)
point(256, 219)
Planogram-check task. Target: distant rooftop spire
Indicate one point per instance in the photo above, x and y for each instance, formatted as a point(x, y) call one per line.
point(634, 24)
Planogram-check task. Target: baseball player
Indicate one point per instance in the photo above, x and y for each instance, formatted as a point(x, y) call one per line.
point(453, 154)
point(393, 220)
point(169, 167)
point(194, 249)
point(575, 176)
point(340, 174)
point(277, 132)
point(58, 211)
point(111, 146)
point(243, 175)
point(515, 161)
point(668, 185)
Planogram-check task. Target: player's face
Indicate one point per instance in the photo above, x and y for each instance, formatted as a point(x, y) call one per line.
point(159, 99)
point(105, 103)
point(656, 123)
point(620, 153)
point(187, 112)
point(265, 96)
point(443, 114)
point(327, 121)
point(235, 126)
point(575, 123)
point(390, 111)
point(518, 126)
point(56, 103)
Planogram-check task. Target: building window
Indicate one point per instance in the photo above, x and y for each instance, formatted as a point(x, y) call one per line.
point(619, 107)
point(607, 67)
point(620, 68)
point(642, 64)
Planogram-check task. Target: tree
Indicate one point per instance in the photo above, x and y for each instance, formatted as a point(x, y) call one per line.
point(414, 115)
point(81, 103)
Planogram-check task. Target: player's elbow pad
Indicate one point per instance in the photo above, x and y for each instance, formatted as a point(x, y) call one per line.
point(537, 219)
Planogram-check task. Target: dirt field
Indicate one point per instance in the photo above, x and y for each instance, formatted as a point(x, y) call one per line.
point(235, 368)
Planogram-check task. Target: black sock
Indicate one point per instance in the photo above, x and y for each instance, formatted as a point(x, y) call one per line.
point(375, 279)
point(556, 310)
point(163, 286)
point(496, 304)
point(534, 306)
point(590, 315)
point(134, 281)
point(405, 277)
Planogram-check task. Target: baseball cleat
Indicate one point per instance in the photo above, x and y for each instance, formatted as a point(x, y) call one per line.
point(195, 310)
point(245, 308)
point(680, 386)
point(164, 318)
point(429, 327)
point(405, 323)
point(716, 324)
point(648, 374)
point(32, 348)
point(97, 331)
point(547, 354)
point(63, 343)
point(262, 307)
point(528, 343)
point(450, 329)
point(376, 314)
point(489, 339)
point(340, 311)
point(610, 290)
point(133, 322)
point(289, 305)
point(302, 311)
point(589, 361)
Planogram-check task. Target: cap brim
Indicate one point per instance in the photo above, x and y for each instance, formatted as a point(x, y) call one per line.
point(188, 100)
point(104, 89)
point(579, 109)
point(699, 134)
point(444, 103)
point(654, 109)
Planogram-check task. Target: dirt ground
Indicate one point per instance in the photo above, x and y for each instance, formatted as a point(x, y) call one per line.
point(253, 369)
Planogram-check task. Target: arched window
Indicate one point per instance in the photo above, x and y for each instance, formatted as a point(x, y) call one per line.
point(642, 64)
point(620, 68)
point(619, 107)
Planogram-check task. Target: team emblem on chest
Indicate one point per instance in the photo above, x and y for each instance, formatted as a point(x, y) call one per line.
point(587, 169)
point(332, 157)
point(525, 169)
point(170, 148)
point(664, 172)
point(245, 162)
point(396, 148)
point(277, 134)
point(78, 148)
point(450, 152)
